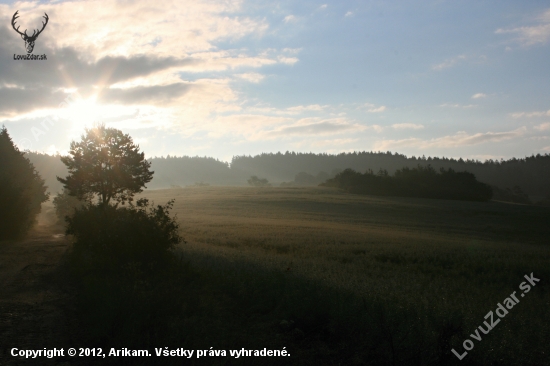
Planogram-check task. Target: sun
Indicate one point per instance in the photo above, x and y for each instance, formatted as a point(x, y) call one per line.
point(82, 114)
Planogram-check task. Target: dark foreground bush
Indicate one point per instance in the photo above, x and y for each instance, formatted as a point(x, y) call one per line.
point(423, 182)
point(126, 276)
point(109, 238)
point(66, 205)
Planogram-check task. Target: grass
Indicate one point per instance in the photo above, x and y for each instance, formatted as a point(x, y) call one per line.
point(336, 279)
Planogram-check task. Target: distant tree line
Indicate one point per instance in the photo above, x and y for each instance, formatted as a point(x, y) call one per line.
point(424, 182)
point(531, 174)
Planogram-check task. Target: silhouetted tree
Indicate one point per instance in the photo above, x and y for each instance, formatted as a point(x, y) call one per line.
point(22, 190)
point(106, 163)
point(257, 182)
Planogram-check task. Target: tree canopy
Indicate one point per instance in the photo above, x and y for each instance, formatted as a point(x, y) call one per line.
point(22, 190)
point(105, 163)
point(421, 181)
point(258, 182)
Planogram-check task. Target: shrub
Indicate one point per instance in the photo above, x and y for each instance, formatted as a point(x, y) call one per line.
point(515, 195)
point(65, 205)
point(109, 238)
point(258, 182)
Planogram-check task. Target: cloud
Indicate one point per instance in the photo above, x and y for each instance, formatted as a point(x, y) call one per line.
point(543, 127)
point(290, 19)
point(145, 94)
point(303, 108)
point(242, 124)
point(404, 126)
point(311, 127)
point(456, 105)
point(296, 110)
point(349, 14)
point(69, 70)
point(287, 60)
point(377, 110)
point(292, 50)
point(459, 139)
point(529, 35)
point(85, 49)
point(96, 29)
point(136, 61)
point(478, 96)
point(322, 7)
point(531, 114)
point(371, 108)
point(449, 63)
point(252, 77)
point(333, 142)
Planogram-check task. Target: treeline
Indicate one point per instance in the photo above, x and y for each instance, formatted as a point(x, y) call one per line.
point(423, 182)
point(530, 175)
point(187, 170)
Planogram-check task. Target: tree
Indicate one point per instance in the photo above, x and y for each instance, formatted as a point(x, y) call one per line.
point(106, 163)
point(257, 182)
point(22, 190)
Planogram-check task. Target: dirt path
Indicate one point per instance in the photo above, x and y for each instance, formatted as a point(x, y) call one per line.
point(31, 315)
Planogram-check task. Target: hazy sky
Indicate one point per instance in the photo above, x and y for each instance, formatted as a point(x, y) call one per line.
point(464, 79)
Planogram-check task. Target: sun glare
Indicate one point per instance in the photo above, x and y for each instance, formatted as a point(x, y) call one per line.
point(81, 114)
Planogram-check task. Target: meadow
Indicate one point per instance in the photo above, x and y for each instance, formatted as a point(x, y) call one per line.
point(338, 279)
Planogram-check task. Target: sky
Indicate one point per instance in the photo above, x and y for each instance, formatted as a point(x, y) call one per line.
point(466, 79)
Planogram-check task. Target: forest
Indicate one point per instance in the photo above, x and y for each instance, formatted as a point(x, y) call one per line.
point(423, 182)
point(521, 180)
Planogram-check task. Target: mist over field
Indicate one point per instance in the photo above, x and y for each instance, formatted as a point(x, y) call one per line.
point(274, 183)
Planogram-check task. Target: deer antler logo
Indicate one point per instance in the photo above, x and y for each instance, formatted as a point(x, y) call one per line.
point(29, 40)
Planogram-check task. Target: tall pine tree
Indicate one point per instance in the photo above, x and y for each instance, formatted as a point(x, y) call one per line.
point(22, 190)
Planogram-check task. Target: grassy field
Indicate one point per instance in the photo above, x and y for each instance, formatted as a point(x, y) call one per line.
point(337, 279)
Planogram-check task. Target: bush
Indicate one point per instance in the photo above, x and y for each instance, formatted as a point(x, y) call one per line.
point(257, 182)
point(66, 205)
point(128, 280)
point(109, 238)
point(515, 195)
point(22, 190)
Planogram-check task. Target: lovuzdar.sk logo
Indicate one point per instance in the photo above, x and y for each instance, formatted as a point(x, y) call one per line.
point(29, 40)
